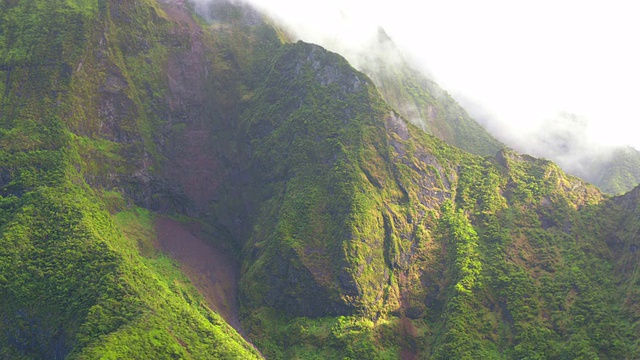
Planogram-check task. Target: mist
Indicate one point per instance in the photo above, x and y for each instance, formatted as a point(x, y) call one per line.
point(567, 139)
point(552, 79)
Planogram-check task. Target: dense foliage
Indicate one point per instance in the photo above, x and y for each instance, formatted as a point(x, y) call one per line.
point(360, 235)
point(476, 258)
point(73, 280)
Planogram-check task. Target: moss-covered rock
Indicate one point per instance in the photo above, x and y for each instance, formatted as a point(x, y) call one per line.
point(359, 234)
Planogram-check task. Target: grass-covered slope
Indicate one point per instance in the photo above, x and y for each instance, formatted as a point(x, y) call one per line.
point(360, 236)
point(396, 243)
point(79, 80)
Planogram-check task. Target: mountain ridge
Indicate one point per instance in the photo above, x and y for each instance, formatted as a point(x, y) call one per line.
point(358, 235)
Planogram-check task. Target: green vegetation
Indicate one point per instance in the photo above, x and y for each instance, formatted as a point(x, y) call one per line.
point(423, 102)
point(497, 240)
point(73, 284)
point(282, 337)
point(76, 281)
point(360, 236)
point(618, 173)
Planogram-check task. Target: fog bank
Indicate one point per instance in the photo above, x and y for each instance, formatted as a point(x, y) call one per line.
point(552, 79)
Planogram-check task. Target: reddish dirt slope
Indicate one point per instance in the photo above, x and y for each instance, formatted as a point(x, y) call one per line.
point(213, 272)
point(193, 166)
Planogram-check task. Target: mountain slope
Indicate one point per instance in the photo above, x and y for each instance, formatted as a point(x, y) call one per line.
point(421, 101)
point(565, 140)
point(416, 233)
point(562, 139)
point(358, 234)
point(72, 284)
point(618, 173)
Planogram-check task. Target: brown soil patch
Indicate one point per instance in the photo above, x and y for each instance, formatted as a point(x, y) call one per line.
point(213, 272)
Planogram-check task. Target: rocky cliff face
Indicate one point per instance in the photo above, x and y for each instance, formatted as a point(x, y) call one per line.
point(90, 93)
point(358, 234)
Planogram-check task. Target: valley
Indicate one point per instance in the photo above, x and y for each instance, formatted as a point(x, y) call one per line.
point(195, 185)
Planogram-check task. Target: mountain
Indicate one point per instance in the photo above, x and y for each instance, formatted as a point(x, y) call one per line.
point(89, 91)
point(619, 173)
point(177, 185)
point(420, 100)
point(565, 140)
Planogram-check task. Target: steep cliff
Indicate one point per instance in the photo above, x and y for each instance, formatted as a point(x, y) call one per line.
point(85, 98)
point(133, 130)
point(417, 247)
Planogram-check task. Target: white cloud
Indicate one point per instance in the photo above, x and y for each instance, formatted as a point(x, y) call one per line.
point(524, 62)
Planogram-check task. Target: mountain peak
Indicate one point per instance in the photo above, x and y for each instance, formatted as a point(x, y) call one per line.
point(153, 166)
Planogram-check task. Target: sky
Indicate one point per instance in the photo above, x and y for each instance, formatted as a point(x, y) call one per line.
point(518, 67)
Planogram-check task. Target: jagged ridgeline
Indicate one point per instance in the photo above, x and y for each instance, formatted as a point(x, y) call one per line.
point(359, 235)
